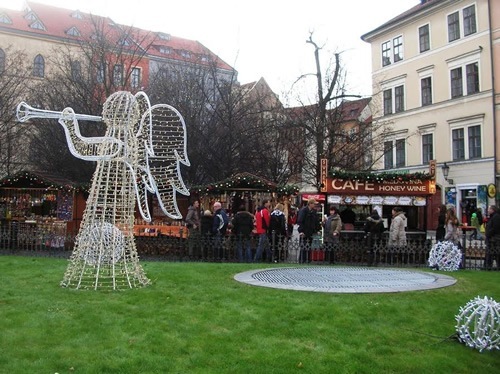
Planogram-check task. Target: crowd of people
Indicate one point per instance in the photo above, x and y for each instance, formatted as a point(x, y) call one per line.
point(271, 228)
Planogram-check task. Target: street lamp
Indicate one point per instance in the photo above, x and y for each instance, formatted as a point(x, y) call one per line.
point(446, 170)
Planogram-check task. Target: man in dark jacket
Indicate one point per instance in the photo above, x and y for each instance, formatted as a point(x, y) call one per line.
point(193, 224)
point(242, 230)
point(309, 224)
point(219, 228)
point(374, 227)
point(492, 238)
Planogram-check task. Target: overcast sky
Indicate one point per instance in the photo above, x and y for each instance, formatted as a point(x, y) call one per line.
point(260, 38)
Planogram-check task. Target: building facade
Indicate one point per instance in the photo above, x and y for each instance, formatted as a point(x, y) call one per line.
point(432, 71)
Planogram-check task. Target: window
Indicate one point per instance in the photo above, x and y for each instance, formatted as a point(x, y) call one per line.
point(400, 153)
point(386, 53)
point(185, 54)
point(37, 25)
point(394, 150)
point(426, 91)
point(399, 99)
point(2, 60)
point(456, 82)
point(398, 48)
point(427, 148)
point(468, 27)
point(472, 73)
point(76, 70)
point(453, 27)
point(73, 31)
point(77, 15)
point(388, 102)
point(100, 76)
point(165, 50)
point(135, 78)
point(5, 19)
point(471, 80)
point(39, 66)
point(397, 105)
point(118, 75)
point(424, 38)
point(469, 15)
point(388, 156)
point(474, 133)
point(458, 143)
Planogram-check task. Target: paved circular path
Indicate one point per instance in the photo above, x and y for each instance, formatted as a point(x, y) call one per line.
point(345, 279)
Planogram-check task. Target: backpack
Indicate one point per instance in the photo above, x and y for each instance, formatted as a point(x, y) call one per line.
point(276, 224)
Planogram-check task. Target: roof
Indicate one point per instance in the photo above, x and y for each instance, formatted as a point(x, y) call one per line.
point(54, 22)
point(351, 110)
point(407, 14)
point(37, 179)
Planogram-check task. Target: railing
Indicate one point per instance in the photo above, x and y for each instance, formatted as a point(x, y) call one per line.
point(26, 239)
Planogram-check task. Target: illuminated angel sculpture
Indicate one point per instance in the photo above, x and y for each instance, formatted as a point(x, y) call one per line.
point(141, 152)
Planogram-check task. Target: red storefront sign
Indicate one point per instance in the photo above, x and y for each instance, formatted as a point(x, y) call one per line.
point(318, 198)
point(414, 187)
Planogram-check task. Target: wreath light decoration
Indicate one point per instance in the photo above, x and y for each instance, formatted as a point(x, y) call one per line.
point(445, 256)
point(478, 324)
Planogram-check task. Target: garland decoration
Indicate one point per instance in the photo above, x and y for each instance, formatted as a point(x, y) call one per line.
point(245, 181)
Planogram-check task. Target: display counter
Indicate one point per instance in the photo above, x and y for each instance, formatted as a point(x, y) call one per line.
point(164, 230)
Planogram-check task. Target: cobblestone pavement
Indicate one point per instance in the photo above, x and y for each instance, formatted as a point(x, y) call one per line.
point(345, 279)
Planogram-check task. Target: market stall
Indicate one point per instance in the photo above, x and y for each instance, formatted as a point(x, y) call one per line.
point(363, 191)
point(243, 189)
point(39, 209)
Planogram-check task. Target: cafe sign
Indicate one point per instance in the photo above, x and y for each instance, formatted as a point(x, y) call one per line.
point(414, 187)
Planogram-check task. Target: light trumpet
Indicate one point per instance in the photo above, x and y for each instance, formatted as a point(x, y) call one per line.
point(25, 112)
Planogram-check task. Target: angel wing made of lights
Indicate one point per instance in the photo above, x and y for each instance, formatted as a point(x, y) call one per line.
point(162, 148)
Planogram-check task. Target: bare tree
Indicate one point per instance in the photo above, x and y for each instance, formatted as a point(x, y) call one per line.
point(82, 74)
point(329, 129)
point(13, 80)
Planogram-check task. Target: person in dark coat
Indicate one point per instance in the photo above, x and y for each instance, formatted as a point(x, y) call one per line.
point(278, 232)
point(374, 227)
point(492, 238)
point(332, 227)
point(309, 224)
point(242, 227)
point(206, 221)
point(440, 229)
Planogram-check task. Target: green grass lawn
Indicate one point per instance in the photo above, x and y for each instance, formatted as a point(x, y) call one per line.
point(195, 318)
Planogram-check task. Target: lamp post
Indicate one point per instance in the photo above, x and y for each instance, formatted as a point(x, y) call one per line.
point(446, 170)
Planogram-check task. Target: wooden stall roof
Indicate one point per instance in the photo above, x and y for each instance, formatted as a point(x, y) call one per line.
point(39, 179)
point(244, 182)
